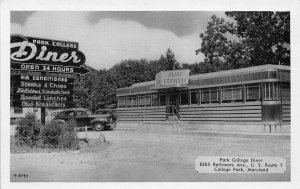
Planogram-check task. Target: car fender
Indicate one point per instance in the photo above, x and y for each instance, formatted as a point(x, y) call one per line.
point(59, 121)
point(101, 120)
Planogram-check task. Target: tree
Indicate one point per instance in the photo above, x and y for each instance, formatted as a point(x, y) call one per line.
point(236, 56)
point(172, 64)
point(129, 72)
point(156, 66)
point(197, 68)
point(215, 44)
point(168, 62)
point(266, 34)
point(254, 38)
point(93, 91)
point(84, 90)
point(106, 93)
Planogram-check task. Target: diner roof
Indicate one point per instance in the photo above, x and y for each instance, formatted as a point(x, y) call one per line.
point(228, 77)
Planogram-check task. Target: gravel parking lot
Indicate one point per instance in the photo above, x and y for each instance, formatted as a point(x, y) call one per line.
point(147, 156)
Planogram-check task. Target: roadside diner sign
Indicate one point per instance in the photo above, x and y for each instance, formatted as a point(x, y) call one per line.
point(43, 71)
point(37, 54)
point(173, 78)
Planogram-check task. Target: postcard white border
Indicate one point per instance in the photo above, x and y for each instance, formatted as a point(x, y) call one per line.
point(159, 5)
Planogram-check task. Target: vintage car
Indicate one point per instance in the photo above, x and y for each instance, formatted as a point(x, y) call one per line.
point(110, 113)
point(84, 117)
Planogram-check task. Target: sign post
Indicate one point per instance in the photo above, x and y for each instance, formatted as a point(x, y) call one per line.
point(43, 72)
point(43, 115)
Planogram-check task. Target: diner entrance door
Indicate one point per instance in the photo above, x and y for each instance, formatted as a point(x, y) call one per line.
point(173, 108)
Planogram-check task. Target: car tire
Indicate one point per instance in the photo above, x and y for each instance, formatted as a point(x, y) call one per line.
point(99, 126)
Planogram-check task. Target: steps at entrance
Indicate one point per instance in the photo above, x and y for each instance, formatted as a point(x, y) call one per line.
point(171, 126)
point(172, 118)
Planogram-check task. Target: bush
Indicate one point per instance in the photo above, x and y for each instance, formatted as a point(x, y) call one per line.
point(49, 135)
point(27, 131)
point(59, 135)
point(55, 135)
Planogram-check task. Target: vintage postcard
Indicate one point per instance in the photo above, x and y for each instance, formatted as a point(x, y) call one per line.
point(197, 93)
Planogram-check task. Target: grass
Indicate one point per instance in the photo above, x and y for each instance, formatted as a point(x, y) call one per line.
point(15, 149)
point(93, 145)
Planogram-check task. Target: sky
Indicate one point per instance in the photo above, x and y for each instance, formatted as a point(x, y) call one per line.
point(107, 38)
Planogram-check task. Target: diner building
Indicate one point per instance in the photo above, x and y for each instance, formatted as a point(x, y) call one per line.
point(249, 96)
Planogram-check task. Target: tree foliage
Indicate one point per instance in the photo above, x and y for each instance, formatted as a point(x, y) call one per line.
point(214, 43)
point(93, 91)
point(169, 62)
point(253, 38)
point(266, 34)
point(27, 131)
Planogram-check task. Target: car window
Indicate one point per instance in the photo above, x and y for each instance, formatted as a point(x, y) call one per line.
point(67, 113)
point(81, 113)
point(103, 112)
point(62, 114)
point(88, 112)
point(54, 113)
point(71, 113)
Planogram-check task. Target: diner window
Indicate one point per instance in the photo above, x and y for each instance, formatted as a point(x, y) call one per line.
point(286, 91)
point(154, 99)
point(232, 94)
point(184, 98)
point(271, 91)
point(144, 100)
point(253, 92)
point(162, 99)
point(194, 97)
point(121, 102)
point(210, 95)
point(18, 110)
point(131, 101)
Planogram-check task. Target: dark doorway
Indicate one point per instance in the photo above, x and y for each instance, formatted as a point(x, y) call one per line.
point(174, 100)
point(174, 104)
